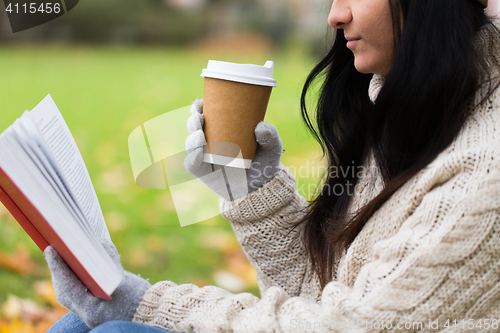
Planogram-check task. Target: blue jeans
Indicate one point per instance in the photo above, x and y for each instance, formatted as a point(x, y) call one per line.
point(71, 323)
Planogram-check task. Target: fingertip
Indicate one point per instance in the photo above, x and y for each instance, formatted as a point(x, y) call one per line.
point(110, 248)
point(49, 251)
point(197, 106)
point(263, 127)
point(195, 122)
point(193, 161)
point(266, 134)
point(195, 140)
point(52, 257)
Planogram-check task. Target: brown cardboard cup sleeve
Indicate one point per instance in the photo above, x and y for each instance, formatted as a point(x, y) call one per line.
point(235, 100)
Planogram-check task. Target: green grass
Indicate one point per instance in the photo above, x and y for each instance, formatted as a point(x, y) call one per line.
point(105, 93)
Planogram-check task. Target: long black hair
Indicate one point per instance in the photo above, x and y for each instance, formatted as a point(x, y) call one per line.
point(421, 107)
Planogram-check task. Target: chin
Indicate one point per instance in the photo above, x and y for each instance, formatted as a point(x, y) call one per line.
point(369, 70)
point(361, 66)
point(363, 70)
point(369, 67)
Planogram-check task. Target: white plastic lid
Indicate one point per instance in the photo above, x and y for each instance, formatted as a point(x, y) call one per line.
point(245, 73)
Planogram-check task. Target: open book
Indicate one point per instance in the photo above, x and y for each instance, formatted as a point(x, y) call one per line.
point(45, 185)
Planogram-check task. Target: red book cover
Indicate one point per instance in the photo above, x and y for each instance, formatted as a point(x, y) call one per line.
point(41, 232)
point(21, 219)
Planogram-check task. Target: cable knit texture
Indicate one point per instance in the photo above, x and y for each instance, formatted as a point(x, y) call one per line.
point(431, 252)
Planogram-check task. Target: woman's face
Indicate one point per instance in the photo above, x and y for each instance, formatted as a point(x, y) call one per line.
point(369, 24)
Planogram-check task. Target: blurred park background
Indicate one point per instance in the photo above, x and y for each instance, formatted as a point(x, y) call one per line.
point(112, 65)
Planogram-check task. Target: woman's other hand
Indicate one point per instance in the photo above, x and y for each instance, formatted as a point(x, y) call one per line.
point(71, 293)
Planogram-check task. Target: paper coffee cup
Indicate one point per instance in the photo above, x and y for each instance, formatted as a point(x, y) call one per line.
point(235, 100)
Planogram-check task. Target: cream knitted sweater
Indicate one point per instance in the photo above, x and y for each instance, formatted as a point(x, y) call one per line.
point(431, 252)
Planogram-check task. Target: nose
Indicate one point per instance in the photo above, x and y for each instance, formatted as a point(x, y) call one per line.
point(340, 14)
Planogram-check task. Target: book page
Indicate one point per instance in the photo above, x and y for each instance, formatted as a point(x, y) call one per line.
point(30, 140)
point(58, 137)
point(43, 206)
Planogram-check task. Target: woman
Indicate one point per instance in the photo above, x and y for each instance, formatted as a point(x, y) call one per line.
point(411, 244)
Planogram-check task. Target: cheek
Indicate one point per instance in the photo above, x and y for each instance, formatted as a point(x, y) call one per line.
point(371, 59)
point(378, 41)
point(377, 34)
point(375, 23)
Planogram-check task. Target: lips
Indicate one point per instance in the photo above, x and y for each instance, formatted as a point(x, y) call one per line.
point(352, 42)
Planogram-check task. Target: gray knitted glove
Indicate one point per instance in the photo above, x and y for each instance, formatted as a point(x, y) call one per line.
point(233, 183)
point(71, 293)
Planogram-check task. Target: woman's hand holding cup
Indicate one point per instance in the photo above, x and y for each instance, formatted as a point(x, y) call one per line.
point(238, 182)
